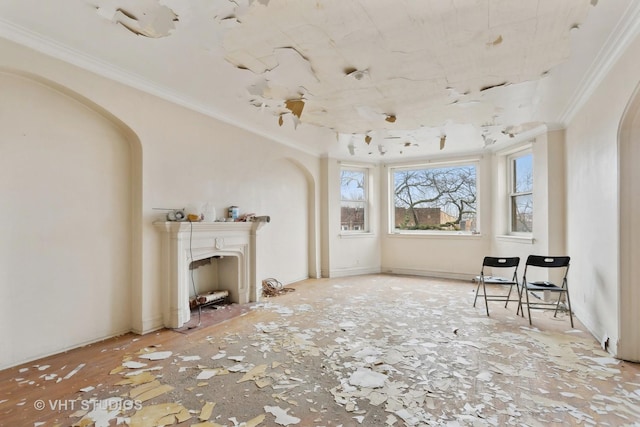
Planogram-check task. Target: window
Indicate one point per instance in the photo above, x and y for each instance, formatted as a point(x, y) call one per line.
point(521, 192)
point(354, 200)
point(435, 198)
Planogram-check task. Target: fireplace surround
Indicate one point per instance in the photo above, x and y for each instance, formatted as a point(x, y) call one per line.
point(185, 242)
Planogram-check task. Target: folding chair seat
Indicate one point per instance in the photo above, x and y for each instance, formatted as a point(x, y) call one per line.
point(545, 262)
point(510, 280)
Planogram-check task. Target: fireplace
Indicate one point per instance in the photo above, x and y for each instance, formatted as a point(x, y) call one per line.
point(185, 242)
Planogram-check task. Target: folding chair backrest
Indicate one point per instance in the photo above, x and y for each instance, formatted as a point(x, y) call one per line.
point(498, 281)
point(547, 261)
point(501, 262)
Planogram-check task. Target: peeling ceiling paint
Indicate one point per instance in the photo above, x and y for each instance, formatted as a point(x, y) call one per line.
point(146, 18)
point(410, 65)
point(395, 76)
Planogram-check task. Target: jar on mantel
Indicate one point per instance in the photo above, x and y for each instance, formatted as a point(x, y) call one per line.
point(234, 212)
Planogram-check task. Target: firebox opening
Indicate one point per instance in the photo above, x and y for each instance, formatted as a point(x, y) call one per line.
point(214, 280)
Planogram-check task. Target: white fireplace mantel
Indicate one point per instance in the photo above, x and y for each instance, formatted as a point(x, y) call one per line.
point(184, 242)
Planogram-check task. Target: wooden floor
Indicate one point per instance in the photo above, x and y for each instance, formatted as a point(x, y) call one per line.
point(371, 350)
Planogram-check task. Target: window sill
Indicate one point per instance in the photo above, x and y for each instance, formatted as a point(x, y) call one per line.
point(527, 240)
point(356, 235)
point(435, 235)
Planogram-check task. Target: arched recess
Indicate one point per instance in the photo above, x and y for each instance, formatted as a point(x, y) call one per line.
point(629, 230)
point(314, 261)
point(70, 187)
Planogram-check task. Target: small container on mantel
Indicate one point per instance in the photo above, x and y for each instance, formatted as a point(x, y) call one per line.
point(209, 212)
point(234, 212)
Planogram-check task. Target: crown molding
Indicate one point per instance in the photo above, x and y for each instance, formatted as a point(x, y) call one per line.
point(626, 30)
point(54, 49)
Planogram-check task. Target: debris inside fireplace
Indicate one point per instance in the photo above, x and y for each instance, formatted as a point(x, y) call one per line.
point(211, 298)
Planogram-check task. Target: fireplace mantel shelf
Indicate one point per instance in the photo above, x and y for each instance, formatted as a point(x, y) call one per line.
point(180, 226)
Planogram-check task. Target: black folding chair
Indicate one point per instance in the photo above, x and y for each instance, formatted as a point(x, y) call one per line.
point(547, 262)
point(483, 280)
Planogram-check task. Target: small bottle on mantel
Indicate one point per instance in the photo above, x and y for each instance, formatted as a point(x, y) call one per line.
point(234, 212)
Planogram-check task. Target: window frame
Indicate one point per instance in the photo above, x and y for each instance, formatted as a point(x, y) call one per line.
point(366, 229)
point(440, 164)
point(512, 194)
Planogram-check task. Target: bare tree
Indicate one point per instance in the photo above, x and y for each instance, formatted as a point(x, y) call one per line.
point(522, 200)
point(351, 185)
point(462, 196)
point(452, 189)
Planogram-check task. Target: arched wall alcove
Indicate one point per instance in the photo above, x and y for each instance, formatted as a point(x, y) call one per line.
point(314, 262)
point(629, 230)
point(70, 184)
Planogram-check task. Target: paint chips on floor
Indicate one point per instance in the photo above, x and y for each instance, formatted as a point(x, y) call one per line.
point(410, 360)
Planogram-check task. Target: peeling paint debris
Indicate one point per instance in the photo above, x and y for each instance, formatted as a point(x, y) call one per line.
point(206, 411)
point(133, 364)
point(149, 391)
point(405, 361)
point(281, 415)
point(496, 42)
point(141, 378)
point(159, 415)
point(75, 371)
point(156, 355)
point(302, 55)
point(364, 377)
point(146, 18)
point(206, 374)
point(295, 106)
point(102, 412)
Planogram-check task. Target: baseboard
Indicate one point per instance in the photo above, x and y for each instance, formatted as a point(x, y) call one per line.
point(346, 272)
point(427, 273)
point(149, 325)
point(601, 337)
point(64, 349)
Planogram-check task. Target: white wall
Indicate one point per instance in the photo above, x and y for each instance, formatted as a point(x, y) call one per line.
point(548, 236)
point(629, 231)
point(184, 158)
point(190, 159)
point(65, 222)
point(348, 254)
point(592, 200)
point(439, 255)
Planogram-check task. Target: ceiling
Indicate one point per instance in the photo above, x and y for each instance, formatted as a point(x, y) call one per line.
point(369, 80)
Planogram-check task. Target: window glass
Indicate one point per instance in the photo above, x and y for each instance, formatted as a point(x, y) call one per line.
point(521, 209)
point(435, 199)
point(523, 174)
point(353, 195)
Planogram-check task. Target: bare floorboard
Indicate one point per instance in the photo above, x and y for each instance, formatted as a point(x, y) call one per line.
point(371, 350)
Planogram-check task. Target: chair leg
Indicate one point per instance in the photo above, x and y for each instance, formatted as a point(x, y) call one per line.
point(476, 297)
point(555, 312)
point(518, 311)
point(486, 303)
point(569, 305)
point(508, 296)
point(526, 291)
